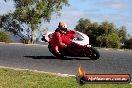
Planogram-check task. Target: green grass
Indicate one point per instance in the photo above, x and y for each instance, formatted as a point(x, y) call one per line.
point(26, 79)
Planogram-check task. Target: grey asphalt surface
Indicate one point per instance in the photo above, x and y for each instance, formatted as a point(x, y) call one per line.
point(39, 58)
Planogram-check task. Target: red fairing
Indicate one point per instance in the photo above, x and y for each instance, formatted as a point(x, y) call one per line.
point(66, 38)
point(62, 39)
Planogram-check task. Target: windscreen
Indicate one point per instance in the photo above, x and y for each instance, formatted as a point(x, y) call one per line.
point(79, 36)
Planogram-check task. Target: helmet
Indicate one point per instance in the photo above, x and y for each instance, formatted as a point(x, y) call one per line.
point(63, 27)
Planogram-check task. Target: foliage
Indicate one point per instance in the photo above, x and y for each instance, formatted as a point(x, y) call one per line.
point(104, 35)
point(109, 41)
point(29, 14)
point(9, 23)
point(85, 25)
point(4, 37)
point(122, 34)
point(128, 43)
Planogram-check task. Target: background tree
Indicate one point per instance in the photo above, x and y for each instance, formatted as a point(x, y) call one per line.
point(8, 23)
point(85, 25)
point(4, 37)
point(103, 35)
point(128, 43)
point(109, 41)
point(122, 34)
point(106, 28)
point(93, 33)
point(30, 13)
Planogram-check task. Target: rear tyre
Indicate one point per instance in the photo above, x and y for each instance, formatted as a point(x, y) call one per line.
point(93, 53)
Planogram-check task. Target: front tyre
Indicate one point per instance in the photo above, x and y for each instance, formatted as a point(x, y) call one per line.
point(51, 49)
point(93, 53)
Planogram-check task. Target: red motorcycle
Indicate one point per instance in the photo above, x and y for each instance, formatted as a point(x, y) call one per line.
point(78, 45)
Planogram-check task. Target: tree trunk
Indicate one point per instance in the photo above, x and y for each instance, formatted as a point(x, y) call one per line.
point(32, 33)
point(32, 37)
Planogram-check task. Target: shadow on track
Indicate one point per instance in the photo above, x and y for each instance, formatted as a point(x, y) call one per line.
point(53, 57)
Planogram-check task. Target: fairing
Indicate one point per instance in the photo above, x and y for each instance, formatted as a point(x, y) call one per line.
point(71, 37)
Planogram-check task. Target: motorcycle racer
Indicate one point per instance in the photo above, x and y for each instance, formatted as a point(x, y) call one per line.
point(59, 34)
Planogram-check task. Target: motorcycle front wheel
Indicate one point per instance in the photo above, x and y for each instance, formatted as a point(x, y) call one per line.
point(51, 49)
point(93, 53)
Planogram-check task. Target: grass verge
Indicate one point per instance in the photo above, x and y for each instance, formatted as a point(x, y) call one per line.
point(10, 78)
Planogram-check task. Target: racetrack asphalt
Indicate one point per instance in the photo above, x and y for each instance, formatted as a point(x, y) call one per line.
point(37, 57)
